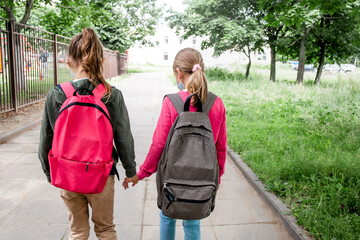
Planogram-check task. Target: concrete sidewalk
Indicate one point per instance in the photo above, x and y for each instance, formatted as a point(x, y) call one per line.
point(30, 208)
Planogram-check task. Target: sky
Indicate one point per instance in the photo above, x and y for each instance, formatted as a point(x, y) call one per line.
point(177, 5)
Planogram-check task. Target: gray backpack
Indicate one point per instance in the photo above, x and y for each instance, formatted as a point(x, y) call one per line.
point(188, 172)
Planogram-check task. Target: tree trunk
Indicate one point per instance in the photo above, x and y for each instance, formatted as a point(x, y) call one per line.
point(321, 63)
point(28, 7)
point(248, 65)
point(302, 57)
point(9, 12)
point(272, 63)
point(273, 34)
point(322, 44)
point(248, 69)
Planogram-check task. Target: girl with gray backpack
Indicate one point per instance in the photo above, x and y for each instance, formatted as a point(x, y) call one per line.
point(188, 151)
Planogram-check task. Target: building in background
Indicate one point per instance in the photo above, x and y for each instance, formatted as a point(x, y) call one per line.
point(169, 44)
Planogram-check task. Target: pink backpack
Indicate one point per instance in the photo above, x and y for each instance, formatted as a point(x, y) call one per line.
point(80, 158)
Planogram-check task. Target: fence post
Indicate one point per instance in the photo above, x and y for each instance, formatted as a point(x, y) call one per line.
point(124, 58)
point(118, 57)
point(12, 63)
point(55, 59)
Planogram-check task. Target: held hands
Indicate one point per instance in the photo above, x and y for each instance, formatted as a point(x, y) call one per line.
point(134, 180)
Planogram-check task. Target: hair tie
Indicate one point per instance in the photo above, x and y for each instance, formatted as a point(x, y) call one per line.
point(196, 67)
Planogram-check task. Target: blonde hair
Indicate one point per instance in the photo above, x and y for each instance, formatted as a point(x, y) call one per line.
point(87, 49)
point(196, 83)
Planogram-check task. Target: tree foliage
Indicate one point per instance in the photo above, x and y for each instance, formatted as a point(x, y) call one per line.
point(224, 24)
point(319, 31)
point(119, 23)
point(12, 8)
point(312, 31)
point(234, 24)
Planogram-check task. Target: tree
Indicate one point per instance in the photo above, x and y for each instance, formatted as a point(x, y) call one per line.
point(268, 15)
point(119, 23)
point(224, 25)
point(299, 21)
point(316, 31)
point(9, 7)
point(121, 32)
point(312, 30)
point(337, 35)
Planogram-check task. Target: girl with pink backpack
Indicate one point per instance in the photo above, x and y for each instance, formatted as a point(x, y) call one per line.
point(82, 120)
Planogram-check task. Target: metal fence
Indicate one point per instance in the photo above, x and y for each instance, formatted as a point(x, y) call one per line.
point(32, 61)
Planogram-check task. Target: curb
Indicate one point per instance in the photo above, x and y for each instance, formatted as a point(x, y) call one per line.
point(270, 199)
point(16, 132)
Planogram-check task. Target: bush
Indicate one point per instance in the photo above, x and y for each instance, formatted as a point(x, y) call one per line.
point(135, 70)
point(219, 74)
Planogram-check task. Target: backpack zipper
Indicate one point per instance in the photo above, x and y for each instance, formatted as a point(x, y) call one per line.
point(189, 185)
point(86, 105)
point(172, 198)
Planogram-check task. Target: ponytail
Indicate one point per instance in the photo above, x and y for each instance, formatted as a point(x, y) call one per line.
point(87, 49)
point(190, 60)
point(197, 84)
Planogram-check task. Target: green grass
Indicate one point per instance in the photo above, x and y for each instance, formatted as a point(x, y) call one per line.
point(303, 141)
point(34, 89)
point(135, 70)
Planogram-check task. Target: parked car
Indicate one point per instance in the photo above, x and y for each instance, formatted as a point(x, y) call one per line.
point(61, 59)
point(347, 67)
point(331, 68)
point(293, 64)
point(307, 67)
point(341, 67)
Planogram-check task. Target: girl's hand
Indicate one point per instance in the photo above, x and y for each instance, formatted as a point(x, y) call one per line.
point(134, 180)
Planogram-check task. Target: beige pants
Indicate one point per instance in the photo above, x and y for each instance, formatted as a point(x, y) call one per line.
point(102, 205)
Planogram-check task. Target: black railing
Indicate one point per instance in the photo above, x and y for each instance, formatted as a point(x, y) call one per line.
point(32, 61)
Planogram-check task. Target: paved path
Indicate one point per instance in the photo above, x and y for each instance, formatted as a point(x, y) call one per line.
point(32, 209)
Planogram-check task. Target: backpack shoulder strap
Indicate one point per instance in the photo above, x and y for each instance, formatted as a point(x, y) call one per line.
point(209, 102)
point(67, 88)
point(177, 101)
point(99, 91)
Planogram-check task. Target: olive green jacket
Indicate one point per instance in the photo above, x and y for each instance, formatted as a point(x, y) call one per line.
point(123, 139)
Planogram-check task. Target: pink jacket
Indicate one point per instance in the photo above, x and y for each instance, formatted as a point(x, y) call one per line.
point(167, 118)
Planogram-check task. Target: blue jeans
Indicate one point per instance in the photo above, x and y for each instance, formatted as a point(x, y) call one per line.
point(167, 228)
